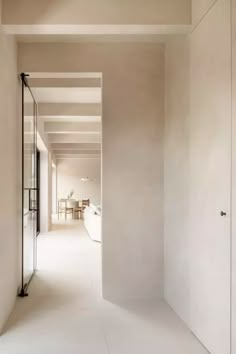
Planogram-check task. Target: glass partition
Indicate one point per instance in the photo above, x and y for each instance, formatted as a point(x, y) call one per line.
point(29, 185)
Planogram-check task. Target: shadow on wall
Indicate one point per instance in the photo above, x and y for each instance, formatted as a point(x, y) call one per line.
point(46, 12)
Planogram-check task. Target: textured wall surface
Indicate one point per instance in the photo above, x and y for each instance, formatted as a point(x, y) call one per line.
point(9, 176)
point(197, 153)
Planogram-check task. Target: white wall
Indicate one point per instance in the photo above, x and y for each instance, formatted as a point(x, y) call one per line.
point(49, 174)
point(197, 107)
point(133, 116)
point(45, 178)
point(69, 172)
point(9, 176)
point(45, 190)
point(54, 189)
point(176, 172)
point(234, 178)
point(210, 133)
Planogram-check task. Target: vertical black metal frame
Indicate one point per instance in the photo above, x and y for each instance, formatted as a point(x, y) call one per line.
point(24, 286)
point(38, 191)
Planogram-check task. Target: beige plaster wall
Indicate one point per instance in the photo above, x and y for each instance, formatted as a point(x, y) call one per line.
point(233, 330)
point(133, 116)
point(197, 154)
point(94, 12)
point(200, 9)
point(9, 177)
point(176, 175)
point(45, 190)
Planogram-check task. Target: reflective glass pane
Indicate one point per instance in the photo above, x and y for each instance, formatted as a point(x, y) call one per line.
point(30, 185)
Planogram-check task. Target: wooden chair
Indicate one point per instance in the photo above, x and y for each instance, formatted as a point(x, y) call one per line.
point(65, 208)
point(78, 211)
point(85, 203)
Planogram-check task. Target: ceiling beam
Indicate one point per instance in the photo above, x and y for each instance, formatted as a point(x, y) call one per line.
point(68, 119)
point(95, 156)
point(76, 146)
point(68, 109)
point(64, 82)
point(59, 128)
point(64, 75)
point(89, 95)
point(74, 138)
point(77, 152)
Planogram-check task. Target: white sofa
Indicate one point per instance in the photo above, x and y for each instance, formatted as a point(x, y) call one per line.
point(92, 222)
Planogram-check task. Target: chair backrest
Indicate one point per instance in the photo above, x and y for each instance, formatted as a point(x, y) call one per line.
point(85, 202)
point(62, 204)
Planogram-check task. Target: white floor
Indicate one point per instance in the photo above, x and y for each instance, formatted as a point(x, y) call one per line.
point(65, 313)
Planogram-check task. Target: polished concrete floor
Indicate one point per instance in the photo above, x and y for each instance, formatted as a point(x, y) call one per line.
point(65, 313)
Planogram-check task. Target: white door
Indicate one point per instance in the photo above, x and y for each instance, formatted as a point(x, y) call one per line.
point(210, 152)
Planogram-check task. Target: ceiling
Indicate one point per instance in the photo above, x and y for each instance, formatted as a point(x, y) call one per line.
point(69, 112)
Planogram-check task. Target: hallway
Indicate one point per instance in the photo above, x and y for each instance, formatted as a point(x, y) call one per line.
point(65, 313)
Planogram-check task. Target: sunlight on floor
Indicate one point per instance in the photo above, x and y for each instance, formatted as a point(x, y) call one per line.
point(65, 312)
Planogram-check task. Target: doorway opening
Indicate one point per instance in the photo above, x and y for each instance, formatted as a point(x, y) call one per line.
point(29, 196)
point(67, 166)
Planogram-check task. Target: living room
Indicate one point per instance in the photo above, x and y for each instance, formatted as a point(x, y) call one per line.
point(78, 181)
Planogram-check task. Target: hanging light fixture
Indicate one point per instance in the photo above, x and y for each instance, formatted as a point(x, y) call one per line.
point(86, 179)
